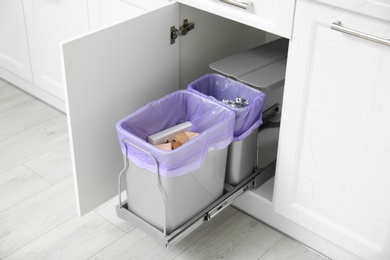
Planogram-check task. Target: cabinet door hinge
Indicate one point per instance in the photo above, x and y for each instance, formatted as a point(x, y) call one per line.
point(183, 30)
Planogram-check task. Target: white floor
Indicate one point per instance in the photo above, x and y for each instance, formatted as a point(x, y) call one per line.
point(37, 204)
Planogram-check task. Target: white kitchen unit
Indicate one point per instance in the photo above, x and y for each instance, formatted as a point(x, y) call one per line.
point(331, 185)
point(29, 49)
point(14, 54)
point(333, 160)
point(48, 23)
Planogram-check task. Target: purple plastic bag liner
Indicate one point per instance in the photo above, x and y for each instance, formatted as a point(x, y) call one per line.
point(217, 87)
point(213, 122)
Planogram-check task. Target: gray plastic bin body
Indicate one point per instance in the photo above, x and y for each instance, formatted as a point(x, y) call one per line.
point(186, 195)
point(191, 176)
point(242, 157)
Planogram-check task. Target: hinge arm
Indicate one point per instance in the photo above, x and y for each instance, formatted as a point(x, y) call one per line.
point(183, 30)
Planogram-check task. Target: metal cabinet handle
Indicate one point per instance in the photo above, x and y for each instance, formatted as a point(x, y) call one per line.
point(242, 4)
point(338, 27)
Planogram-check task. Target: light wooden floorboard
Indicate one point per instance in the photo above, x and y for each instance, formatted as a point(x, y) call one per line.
point(28, 144)
point(138, 245)
point(78, 238)
point(17, 185)
point(289, 249)
point(240, 237)
point(33, 217)
point(16, 120)
point(38, 208)
point(11, 97)
point(54, 165)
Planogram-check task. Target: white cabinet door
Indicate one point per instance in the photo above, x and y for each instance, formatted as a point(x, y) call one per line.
point(48, 23)
point(110, 74)
point(103, 13)
point(333, 167)
point(14, 54)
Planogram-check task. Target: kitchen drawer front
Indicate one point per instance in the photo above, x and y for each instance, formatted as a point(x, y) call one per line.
point(374, 8)
point(274, 16)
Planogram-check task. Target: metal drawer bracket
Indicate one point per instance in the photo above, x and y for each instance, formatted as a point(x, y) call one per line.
point(183, 30)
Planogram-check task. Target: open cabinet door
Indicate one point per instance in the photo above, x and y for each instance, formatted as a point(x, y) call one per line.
point(109, 74)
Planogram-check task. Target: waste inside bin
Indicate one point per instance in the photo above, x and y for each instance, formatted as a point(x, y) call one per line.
point(248, 117)
point(191, 176)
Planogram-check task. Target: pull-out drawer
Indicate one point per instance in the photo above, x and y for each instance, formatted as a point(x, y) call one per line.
point(274, 16)
point(377, 9)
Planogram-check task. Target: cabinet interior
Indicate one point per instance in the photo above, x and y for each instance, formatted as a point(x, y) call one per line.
point(215, 38)
point(140, 65)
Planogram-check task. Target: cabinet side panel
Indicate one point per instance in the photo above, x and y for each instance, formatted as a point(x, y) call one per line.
point(109, 74)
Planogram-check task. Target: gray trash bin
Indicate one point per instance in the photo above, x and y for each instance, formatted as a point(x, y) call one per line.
point(186, 195)
point(191, 177)
point(242, 152)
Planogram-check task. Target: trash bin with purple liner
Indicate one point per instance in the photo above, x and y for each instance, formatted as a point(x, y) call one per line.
point(191, 177)
point(242, 152)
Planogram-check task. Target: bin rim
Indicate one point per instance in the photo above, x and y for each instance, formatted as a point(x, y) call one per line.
point(227, 134)
point(258, 100)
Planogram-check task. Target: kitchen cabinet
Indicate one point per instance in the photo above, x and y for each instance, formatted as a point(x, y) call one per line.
point(330, 189)
point(48, 23)
point(30, 51)
point(14, 53)
point(116, 70)
point(334, 149)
